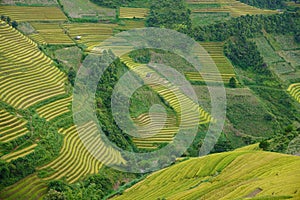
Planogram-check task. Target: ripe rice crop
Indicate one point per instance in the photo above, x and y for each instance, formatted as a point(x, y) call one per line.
point(27, 76)
point(22, 13)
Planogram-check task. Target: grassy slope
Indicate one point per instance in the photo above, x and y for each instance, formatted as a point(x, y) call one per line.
point(232, 175)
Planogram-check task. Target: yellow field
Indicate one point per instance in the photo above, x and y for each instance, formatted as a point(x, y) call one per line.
point(74, 160)
point(51, 33)
point(130, 13)
point(166, 134)
point(55, 109)
point(18, 154)
point(27, 76)
point(235, 8)
point(294, 90)
point(91, 34)
point(224, 176)
point(22, 13)
point(11, 127)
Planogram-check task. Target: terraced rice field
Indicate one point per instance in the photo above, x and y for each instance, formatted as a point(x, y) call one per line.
point(18, 154)
point(91, 34)
point(22, 13)
point(131, 24)
point(294, 90)
point(167, 91)
point(11, 127)
point(131, 13)
point(52, 33)
point(27, 76)
point(74, 160)
point(230, 175)
point(235, 8)
point(55, 109)
point(37, 38)
point(166, 134)
point(215, 50)
point(29, 188)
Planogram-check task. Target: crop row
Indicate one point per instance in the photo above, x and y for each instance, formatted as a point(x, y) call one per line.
point(155, 133)
point(52, 33)
point(29, 188)
point(55, 109)
point(75, 160)
point(18, 154)
point(175, 98)
point(89, 34)
point(294, 90)
point(27, 76)
point(133, 12)
point(235, 8)
point(22, 13)
point(11, 127)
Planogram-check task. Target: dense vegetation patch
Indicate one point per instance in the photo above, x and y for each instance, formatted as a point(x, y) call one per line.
point(271, 4)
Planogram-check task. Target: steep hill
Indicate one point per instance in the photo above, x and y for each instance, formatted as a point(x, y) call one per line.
point(241, 174)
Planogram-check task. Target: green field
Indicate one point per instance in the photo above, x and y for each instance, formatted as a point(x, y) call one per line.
point(30, 188)
point(202, 19)
point(87, 9)
point(70, 56)
point(30, 2)
point(266, 50)
point(215, 51)
point(240, 174)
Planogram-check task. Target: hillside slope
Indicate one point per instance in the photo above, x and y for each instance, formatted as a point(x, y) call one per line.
point(232, 175)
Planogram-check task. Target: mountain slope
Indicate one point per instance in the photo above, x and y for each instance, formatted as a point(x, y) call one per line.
point(232, 175)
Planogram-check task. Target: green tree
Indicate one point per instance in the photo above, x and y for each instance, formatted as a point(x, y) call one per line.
point(14, 24)
point(232, 82)
point(264, 145)
point(72, 76)
point(172, 14)
point(8, 20)
point(54, 195)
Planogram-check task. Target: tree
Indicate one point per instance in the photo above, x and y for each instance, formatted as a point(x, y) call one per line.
point(54, 195)
point(297, 38)
point(172, 14)
point(264, 145)
point(14, 24)
point(3, 18)
point(232, 82)
point(72, 76)
point(244, 54)
point(8, 20)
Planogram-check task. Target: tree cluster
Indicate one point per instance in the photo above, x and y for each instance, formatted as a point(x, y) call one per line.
point(8, 20)
point(172, 14)
point(112, 3)
point(270, 4)
point(248, 26)
point(244, 54)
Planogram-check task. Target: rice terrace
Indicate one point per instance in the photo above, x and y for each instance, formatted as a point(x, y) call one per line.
point(62, 137)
